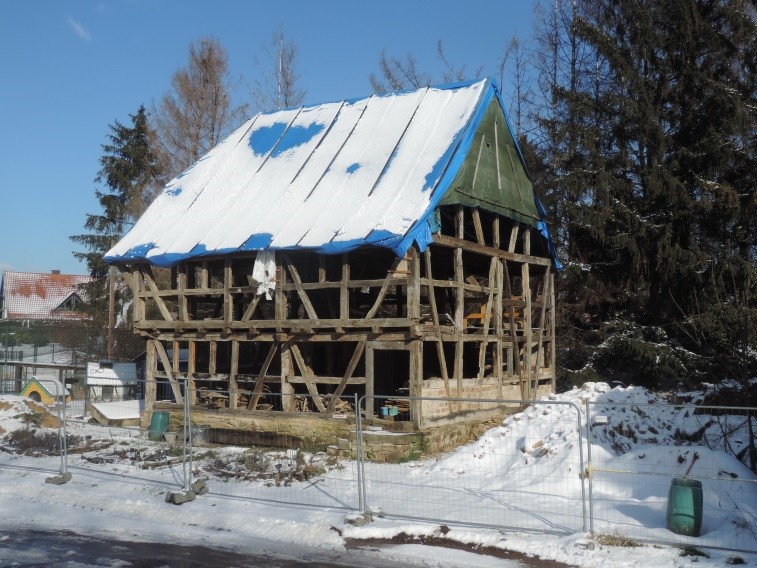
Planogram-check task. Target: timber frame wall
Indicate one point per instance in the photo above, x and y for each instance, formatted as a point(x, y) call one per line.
point(478, 305)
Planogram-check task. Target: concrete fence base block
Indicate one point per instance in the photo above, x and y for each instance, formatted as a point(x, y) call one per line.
point(180, 497)
point(358, 519)
point(59, 479)
point(200, 487)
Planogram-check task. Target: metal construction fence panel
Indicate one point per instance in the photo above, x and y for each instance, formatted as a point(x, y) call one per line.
point(545, 466)
point(301, 457)
point(707, 498)
point(504, 478)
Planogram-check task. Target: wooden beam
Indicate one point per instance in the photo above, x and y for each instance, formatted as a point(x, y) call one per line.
point(553, 346)
point(487, 319)
point(307, 372)
point(416, 382)
point(255, 397)
point(279, 298)
point(228, 300)
point(150, 368)
point(435, 318)
point(354, 360)
point(477, 226)
point(495, 232)
point(528, 332)
point(212, 357)
point(287, 370)
point(452, 242)
point(498, 323)
point(370, 379)
point(513, 237)
point(542, 321)
point(511, 313)
point(181, 287)
point(153, 288)
point(163, 356)
point(298, 285)
point(251, 308)
point(344, 291)
point(383, 290)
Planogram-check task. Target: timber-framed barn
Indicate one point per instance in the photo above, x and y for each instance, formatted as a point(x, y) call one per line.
point(390, 245)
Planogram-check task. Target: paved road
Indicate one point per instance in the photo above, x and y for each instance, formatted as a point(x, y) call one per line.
point(26, 549)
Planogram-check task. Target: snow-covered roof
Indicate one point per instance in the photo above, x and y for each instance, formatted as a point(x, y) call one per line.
point(113, 374)
point(328, 178)
point(30, 295)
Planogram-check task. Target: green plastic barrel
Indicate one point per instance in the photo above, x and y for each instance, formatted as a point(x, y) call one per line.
point(685, 506)
point(158, 425)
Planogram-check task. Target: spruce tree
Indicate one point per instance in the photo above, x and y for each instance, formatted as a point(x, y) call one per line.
point(128, 170)
point(658, 147)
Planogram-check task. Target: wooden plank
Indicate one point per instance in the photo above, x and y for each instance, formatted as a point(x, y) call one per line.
point(256, 392)
point(452, 242)
point(153, 288)
point(204, 275)
point(175, 352)
point(495, 232)
point(307, 372)
point(354, 360)
point(477, 226)
point(383, 290)
point(298, 285)
point(163, 356)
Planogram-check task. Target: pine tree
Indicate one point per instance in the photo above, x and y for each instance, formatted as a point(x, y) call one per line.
point(127, 177)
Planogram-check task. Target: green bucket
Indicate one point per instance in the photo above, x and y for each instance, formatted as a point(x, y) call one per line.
point(685, 506)
point(158, 425)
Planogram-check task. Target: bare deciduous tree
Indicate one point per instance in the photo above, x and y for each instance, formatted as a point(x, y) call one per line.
point(398, 74)
point(279, 86)
point(196, 115)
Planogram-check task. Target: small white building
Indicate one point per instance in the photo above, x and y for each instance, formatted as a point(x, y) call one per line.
point(107, 381)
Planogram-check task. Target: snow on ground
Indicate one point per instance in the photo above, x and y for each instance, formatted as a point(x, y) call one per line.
point(117, 490)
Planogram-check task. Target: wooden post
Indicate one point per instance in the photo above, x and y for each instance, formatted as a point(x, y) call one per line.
point(151, 363)
point(233, 370)
point(212, 358)
point(435, 318)
point(416, 381)
point(369, 380)
point(181, 285)
point(459, 300)
point(191, 368)
point(553, 347)
point(344, 291)
point(499, 326)
point(111, 308)
point(528, 331)
point(287, 370)
point(228, 304)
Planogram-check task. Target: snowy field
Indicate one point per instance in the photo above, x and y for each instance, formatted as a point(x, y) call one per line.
point(524, 474)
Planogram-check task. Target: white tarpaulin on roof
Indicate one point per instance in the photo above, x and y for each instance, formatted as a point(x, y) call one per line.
point(329, 178)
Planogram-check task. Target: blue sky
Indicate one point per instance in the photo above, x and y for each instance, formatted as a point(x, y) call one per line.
point(71, 68)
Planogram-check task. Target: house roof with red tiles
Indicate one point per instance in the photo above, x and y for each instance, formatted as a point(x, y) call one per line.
point(31, 295)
